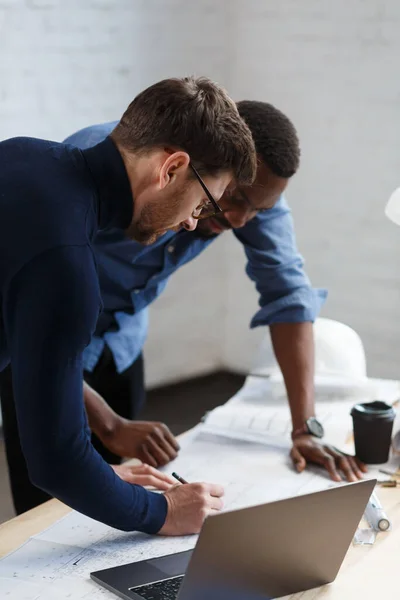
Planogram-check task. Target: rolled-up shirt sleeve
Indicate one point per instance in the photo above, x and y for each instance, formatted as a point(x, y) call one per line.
point(277, 269)
point(50, 308)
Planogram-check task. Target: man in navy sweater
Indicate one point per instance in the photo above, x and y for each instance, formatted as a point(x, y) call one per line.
point(146, 177)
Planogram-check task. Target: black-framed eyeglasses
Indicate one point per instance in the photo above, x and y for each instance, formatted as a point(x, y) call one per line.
point(211, 207)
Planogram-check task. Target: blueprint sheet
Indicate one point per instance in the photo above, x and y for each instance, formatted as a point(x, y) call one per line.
point(242, 445)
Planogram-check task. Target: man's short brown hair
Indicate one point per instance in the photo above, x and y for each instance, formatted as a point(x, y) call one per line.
point(193, 115)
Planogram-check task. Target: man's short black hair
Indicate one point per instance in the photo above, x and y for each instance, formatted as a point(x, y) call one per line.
point(275, 136)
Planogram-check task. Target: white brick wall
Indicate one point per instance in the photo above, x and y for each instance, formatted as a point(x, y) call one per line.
point(332, 66)
point(70, 64)
point(67, 64)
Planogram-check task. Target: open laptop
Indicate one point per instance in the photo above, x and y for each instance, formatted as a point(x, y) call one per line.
point(260, 552)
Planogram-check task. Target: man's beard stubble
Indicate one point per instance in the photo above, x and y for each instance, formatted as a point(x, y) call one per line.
point(149, 226)
point(152, 220)
point(156, 219)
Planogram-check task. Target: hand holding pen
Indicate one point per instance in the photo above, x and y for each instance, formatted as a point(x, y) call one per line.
point(189, 504)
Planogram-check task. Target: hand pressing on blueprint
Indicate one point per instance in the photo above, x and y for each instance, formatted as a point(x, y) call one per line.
point(294, 349)
point(308, 449)
point(144, 475)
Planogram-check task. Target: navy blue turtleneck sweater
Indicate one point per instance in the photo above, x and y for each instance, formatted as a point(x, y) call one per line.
point(53, 199)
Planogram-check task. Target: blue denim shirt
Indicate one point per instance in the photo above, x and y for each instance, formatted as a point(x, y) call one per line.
point(132, 275)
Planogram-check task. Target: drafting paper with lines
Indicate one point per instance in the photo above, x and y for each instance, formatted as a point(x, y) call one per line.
point(243, 446)
point(59, 560)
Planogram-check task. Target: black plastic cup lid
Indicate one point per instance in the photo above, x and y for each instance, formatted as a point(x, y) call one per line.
point(377, 409)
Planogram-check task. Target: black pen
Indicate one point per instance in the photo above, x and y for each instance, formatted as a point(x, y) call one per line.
point(179, 478)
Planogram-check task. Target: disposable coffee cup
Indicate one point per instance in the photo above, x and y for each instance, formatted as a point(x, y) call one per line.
point(373, 425)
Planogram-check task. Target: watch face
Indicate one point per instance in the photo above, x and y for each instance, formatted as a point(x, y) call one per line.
point(315, 427)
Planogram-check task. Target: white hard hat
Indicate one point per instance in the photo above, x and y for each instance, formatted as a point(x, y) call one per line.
point(339, 351)
point(340, 362)
point(392, 210)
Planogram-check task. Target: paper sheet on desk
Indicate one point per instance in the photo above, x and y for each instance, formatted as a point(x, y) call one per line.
point(64, 555)
point(327, 385)
point(255, 414)
point(250, 473)
point(16, 589)
point(225, 449)
point(261, 387)
point(270, 424)
point(57, 563)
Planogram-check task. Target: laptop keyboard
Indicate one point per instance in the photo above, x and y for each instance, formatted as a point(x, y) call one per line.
point(162, 590)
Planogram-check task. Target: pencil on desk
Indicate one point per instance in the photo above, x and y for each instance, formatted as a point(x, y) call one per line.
point(389, 483)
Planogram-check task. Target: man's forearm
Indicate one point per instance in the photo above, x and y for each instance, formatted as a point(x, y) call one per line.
point(293, 345)
point(102, 419)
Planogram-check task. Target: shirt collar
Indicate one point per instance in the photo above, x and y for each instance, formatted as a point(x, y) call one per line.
point(112, 184)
